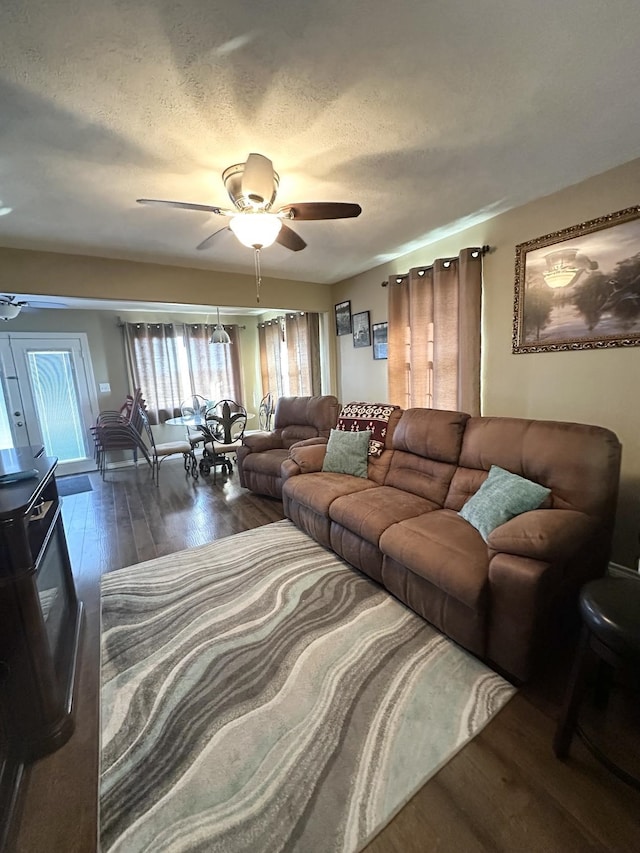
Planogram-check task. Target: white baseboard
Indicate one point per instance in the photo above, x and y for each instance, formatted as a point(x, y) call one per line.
point(126, 463)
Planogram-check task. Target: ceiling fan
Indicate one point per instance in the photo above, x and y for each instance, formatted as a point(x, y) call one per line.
point(10, 306)
point(252, 187)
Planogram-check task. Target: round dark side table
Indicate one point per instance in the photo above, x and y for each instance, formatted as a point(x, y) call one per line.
point(610, 610)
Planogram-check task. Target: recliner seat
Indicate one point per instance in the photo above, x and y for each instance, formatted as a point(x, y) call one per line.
point(297, 419)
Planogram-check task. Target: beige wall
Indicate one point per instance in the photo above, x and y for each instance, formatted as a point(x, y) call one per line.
point(56, 274)
point(599, 387)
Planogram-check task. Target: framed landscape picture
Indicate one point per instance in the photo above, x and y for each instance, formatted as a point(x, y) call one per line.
point(343, 318)
point(379, 331)
point(361, 329)
point(579, 288)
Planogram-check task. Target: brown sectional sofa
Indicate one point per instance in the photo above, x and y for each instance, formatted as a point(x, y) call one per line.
point(501, 599)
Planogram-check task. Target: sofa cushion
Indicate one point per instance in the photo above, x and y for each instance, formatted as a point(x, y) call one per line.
point(369, 513)
point(296, 432)
point(502, 496)
point(318, 491)
point(356, 417)
point(432, 433)
point(578, 462)
point(445, 550)
point(426, 444)
point(267, 462)
point(347, 453)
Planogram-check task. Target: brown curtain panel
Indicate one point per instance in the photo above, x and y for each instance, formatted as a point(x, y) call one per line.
point(302, 334)
point(214, 368)
point(434, 334)
point(270, 343)
point(152, 357)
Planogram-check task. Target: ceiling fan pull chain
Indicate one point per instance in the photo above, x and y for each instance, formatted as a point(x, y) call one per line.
point(258, 274)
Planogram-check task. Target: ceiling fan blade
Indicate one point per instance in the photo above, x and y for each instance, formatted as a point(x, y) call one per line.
point(209, 240)
point(185, 205)
point(321, 210)
point(289, 239)
point(257, 179)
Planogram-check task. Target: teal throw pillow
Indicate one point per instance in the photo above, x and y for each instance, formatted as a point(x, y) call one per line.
point(347, 452)
point(502, 496)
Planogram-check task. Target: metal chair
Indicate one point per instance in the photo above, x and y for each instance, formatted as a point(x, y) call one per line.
point(265, 412)
point(159, 452)
point(119, 430)
point(225, 422)
point(195, 405)
point(265, 415)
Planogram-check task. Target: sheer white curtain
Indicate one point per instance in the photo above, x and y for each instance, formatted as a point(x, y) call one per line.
point(434, 334)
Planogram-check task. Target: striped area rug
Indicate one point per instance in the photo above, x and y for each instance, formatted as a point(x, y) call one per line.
point(259, 694)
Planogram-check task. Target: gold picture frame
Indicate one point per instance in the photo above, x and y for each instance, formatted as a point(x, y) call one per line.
point(585, 292)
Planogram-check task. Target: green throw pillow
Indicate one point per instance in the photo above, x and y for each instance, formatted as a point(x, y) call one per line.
point(347, 452)
point(502, 496)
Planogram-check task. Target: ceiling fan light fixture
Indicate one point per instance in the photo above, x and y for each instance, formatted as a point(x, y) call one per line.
point(219, 335)
point(10, 310)
point(256, 230)
point(10, 307)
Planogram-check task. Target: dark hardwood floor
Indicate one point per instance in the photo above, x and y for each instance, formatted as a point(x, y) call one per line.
point(505, 791)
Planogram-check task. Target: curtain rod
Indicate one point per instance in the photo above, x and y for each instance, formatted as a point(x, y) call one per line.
point(120, 324)
point(483, 250)
point(280, 318)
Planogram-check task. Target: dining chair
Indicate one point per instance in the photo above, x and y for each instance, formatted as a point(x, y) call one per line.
point(195, 405)
point(159, 452)
point(119, 430)
point(225, 423)
point(265, 412)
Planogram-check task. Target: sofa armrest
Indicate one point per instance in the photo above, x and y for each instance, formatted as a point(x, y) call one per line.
point(307, 458)
point(309, 442)
point(551, 535)
point(260, 441)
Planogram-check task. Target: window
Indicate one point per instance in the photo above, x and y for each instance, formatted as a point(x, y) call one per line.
point(290, 354)
point(171, 363)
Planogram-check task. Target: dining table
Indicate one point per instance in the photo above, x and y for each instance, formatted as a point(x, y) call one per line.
point(199, 421)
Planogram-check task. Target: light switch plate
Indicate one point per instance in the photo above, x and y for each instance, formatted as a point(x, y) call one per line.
point(105, 388)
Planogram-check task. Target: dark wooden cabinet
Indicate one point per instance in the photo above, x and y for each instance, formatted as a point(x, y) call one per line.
point(40, 620)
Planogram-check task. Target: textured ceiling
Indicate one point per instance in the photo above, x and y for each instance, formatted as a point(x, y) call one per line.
point(431, 115)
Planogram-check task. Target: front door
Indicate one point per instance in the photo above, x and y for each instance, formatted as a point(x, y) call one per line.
point(13, 428)
point(48, 396)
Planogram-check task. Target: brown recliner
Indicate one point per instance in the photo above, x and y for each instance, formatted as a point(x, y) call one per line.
point(296, 419)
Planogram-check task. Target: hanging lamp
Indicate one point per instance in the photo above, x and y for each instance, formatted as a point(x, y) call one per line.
point(219, 336)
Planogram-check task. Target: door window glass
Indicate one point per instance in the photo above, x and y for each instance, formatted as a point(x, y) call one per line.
point(57, 404)
point(6, 438)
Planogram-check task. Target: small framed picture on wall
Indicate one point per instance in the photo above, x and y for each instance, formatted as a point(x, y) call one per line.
point(343, 318)
point(379, 331)
point(361, 329)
